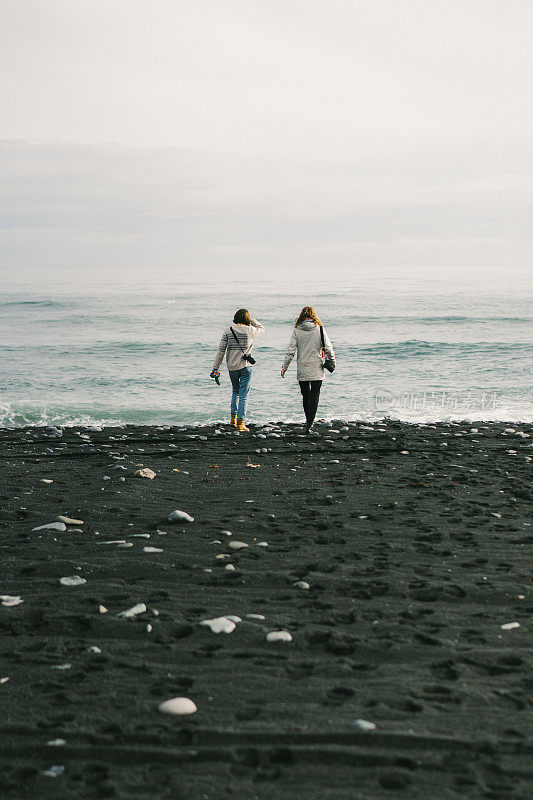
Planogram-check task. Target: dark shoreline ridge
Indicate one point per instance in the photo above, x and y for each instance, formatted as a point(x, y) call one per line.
point(414, 541)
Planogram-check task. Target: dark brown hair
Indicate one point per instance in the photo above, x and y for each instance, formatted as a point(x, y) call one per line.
point(242, 317)
point(307, 312)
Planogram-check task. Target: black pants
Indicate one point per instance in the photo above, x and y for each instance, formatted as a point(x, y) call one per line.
point(310, 393)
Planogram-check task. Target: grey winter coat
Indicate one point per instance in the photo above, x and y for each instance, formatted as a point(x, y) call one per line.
point(306, 343)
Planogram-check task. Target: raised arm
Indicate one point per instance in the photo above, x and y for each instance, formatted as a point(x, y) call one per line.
point(221, 350)
point(260, 328)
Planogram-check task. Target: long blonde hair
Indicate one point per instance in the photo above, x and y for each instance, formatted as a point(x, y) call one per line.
point(307, 312)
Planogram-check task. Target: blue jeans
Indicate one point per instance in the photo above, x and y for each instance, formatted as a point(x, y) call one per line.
point(240, 381)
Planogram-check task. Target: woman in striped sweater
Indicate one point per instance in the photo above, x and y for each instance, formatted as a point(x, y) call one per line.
point(237, 343)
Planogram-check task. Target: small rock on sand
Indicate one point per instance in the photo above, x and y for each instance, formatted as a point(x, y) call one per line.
point(180, 516)
point(363, 725)
point(509, 626)
point(72, 580)
point(139, 608)
point(178, 705)
point(279, 636)
point(219, 624)
point(69, 521)
point(10, 600)
point(51, 526)
point(146, 472)
point(301, 585)
point(237, 545)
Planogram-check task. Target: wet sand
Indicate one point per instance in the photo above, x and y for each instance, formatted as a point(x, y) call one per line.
point(414, 543)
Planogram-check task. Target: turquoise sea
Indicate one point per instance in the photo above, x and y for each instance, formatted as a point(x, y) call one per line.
point(127, 347)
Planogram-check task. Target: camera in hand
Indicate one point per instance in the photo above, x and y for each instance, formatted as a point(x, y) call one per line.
point(248, 358)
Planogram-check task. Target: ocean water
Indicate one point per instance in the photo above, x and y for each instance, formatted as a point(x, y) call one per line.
point(117, 347)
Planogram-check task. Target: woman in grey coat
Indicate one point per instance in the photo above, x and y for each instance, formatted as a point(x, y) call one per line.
point(306, 342)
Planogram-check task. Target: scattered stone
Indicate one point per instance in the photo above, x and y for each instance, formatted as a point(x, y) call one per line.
point(56, 742)
point(94, 649)
point(51, 526)
point(125, 544)
point(145, 473)
point(255, 616)
point(113, 541)
point(139, 608)
point(279, 636)
point(363, 725)
point(509, 626)
point(69, 521)
point(3, 680)
point(54, 771)
point(150, 549)
point(180, 516)
point(72, 580)
point(178, 705)
point(301, 585)
point(219, 624)
point(11, 600)
point(237, 545)
point(46, 480)
point(102, 609)
point(229, 568)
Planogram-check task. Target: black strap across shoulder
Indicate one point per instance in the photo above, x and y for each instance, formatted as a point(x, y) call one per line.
point(322, 338)
point(237, 340)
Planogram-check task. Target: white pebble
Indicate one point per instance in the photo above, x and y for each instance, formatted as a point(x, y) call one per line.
point(72, 580)
point(11, 600)
point(219, 624)
point(56, 742)
point(229, 568)
point(102, 609)
point(94, 649)
point(301, 585)
point(237, 545)
point(255, 616)
point(54, 771)
point(69, 520)
point(178, 705)
point(279, 636)
point(3, 680)
point(150, 549)
point(363, 725)
point(139, 608)
point(509, 626)
point(180, 516)
point(51, 526)
point(262, 544)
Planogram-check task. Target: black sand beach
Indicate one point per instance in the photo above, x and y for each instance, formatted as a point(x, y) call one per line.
point(414, 543)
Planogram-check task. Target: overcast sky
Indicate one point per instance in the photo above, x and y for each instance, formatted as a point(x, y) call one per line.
point(266, 132)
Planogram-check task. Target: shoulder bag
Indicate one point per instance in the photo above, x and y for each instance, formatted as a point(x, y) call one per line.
point(327, 363)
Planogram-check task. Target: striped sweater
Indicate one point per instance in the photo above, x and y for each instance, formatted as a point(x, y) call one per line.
point(228, 345)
